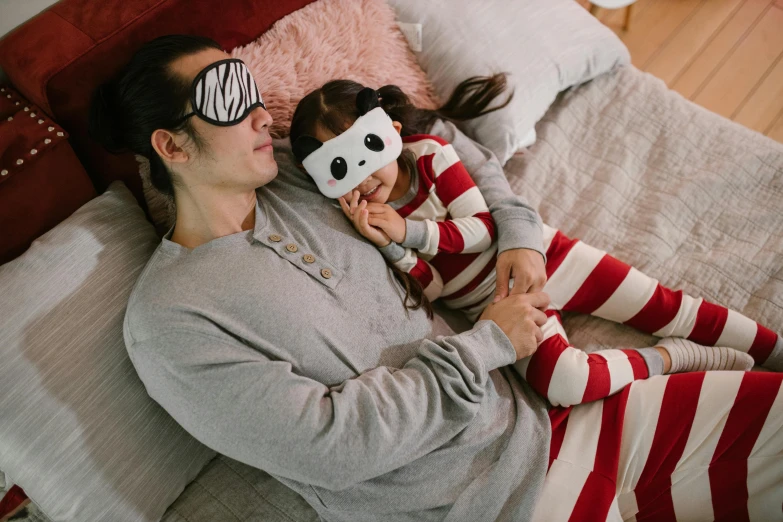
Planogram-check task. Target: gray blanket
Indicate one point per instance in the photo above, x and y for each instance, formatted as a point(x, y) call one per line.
point(632, 168)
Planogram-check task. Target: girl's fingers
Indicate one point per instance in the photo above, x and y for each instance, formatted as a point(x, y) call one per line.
point(354, 200)
point(344, 206)
point(364, 219)
point(357, 219)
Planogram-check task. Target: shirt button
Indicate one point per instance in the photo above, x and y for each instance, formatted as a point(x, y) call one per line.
point(309, 258)
point(291, 247)
point(275, 238)
point(326, 273)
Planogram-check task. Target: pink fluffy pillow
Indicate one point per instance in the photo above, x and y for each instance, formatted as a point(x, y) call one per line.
point(328, 40)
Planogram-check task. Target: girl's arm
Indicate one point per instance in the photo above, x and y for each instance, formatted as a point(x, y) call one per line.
point(408, 261)
point(470, 227)
point(518, 224)
point(403, 258)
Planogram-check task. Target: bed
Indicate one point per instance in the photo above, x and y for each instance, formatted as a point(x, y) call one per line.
point(619, 161)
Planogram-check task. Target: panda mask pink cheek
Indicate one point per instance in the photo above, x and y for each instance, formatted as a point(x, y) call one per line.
point(388, 141)
point(332, 182)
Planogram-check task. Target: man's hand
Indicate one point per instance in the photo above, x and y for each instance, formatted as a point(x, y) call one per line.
point(520, 316)
point(527, 268)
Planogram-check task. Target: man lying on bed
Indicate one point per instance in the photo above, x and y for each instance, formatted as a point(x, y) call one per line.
point(262, 326)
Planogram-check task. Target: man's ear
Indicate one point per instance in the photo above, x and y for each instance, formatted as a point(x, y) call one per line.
point(304, 146)
point(398, 126)
point(165, 144)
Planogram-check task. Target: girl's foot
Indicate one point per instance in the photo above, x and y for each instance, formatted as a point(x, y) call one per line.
point(688, 356)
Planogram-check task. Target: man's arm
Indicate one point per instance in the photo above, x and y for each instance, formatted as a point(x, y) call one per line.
point(258, 411)
point(518, 224)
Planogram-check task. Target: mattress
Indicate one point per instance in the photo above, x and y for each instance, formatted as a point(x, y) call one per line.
point(630, 167)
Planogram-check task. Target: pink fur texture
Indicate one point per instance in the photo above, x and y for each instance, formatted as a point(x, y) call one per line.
point(328, 40)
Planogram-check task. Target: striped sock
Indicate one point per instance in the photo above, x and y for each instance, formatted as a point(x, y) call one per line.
point(688, 356)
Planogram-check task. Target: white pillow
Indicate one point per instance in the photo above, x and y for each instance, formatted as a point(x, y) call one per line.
point(78, 431)
point(545, 45)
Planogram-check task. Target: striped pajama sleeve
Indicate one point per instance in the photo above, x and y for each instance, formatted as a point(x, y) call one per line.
point(426, 274)
point(469, 227)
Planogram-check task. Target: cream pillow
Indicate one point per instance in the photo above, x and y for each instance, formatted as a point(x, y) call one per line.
point(79, 433)
point(546, 46)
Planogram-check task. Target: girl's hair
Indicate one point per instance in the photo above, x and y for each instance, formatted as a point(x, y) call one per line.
point(333, 108)
point(144, 96)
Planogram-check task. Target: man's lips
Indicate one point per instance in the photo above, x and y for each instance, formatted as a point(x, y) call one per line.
point(267, 145)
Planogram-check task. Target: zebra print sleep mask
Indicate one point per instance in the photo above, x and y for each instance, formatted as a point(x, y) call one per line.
point(224, 93)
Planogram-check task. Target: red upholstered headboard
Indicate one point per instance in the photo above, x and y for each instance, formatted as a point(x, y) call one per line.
point(58, 58)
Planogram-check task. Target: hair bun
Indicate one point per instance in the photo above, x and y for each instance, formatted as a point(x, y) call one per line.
point(102, 121)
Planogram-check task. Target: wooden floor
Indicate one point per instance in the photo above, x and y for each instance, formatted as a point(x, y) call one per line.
point(725, 55)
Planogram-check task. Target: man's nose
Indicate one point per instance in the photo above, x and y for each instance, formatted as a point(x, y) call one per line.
point(261, 118)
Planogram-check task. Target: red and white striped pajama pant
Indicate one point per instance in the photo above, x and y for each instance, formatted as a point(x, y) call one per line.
point(686, 447)
point(584, 279)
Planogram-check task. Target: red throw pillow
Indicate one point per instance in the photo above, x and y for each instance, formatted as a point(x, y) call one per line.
point(41, 181)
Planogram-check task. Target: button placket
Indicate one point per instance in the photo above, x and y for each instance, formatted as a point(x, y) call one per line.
point(321, 271)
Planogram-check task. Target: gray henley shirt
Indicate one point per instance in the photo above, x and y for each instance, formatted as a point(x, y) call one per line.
point(287, 347)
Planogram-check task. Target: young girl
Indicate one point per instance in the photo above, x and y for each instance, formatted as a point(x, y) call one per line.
point(412, 197)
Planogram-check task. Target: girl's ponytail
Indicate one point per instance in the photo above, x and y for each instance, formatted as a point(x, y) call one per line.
point(470, 99)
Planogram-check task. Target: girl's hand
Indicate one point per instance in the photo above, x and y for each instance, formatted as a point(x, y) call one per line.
point(527, 268)
point(360, 219)
point(388, 220)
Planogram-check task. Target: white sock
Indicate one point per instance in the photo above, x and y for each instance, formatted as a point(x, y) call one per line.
point(688, 356)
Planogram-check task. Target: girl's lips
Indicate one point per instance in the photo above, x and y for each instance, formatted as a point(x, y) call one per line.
point(264, 148)
point(372, 194)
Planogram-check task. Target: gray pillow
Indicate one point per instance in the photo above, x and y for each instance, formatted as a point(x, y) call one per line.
point(79, 433)
point(545, 45)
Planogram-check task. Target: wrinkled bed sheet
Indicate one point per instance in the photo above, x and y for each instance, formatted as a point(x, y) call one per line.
point(682, 194)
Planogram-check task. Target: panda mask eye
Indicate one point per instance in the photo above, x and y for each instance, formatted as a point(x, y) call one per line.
point(373, 142)
point(339, 168)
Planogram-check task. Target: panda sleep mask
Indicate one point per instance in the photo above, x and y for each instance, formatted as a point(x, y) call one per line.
point(224, 93)
point(340, 164)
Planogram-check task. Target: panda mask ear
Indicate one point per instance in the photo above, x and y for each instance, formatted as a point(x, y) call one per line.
point(367, 100)
point(304, 146)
